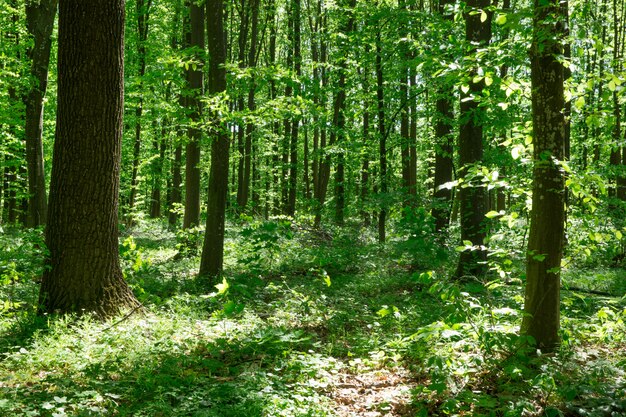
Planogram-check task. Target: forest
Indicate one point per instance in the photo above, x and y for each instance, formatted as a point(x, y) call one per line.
point(296, 208)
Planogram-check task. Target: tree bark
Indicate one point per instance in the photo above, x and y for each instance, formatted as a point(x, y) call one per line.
point(40, 22)
point(546, 238)
point(82, 271)
point(444, 165)
point(472, 197)
point(211, 263)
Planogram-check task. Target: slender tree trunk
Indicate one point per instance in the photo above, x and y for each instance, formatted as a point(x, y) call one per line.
point(365, 164)
point(160, 147)
point(618, 153)
point(293, 145)
point(175, 194)
point(405, 117)
point(324, 158)
point(192, 161)
point(472, 197)
point(83, 273)
point(248, 148)
point(242, 37)
point(40, 22)
point(545, 243)
point(382, 151)
point(211, 263)
point(143, 15)
point(444, 165)
point(12, 200)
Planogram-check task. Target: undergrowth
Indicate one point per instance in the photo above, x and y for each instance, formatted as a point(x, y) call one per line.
point(307, 323)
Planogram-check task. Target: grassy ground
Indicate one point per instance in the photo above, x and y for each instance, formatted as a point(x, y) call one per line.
point(306, 324)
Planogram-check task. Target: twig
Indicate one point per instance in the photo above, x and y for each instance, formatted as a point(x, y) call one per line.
point(130, 313)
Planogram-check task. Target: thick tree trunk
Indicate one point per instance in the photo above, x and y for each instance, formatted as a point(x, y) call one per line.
point(211, 263)
point(546, 239)
point(83, 273)
point(472, 197)
point(40, 21)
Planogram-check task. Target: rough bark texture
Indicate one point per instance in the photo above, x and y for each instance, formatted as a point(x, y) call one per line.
point(83, 272)
point(472, 197)
point(213, 247)
point(546, 240)
point(39, 21)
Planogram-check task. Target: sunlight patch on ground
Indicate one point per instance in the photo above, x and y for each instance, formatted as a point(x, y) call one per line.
point(377, 393)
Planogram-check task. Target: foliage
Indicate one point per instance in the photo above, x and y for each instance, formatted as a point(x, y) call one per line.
point(277, 340)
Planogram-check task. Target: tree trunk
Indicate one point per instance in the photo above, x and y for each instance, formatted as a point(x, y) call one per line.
point(82, 271)
point(546, 239)
point(143, 15)
point(192, 160)
point(472, 197)
point(382, 150)
point(213, 248)
point(444, 165)
point(175, 194)
point(250, 127)
point(40, 22)
point(293, 145)
point(365, 164)
point(160, 147)
point(242, 37)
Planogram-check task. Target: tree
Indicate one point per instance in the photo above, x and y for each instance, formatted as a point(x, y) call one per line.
point(83, 273)
point(40, 21)
point(443, 117)
point(546, 238)
point(472, 196)
point(213, 247)
point(195, 78)
point(143, 20)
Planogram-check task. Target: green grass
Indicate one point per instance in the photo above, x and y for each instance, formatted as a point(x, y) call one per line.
point(316, 325)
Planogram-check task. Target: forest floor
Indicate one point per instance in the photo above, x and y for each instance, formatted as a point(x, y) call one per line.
point(306, 324)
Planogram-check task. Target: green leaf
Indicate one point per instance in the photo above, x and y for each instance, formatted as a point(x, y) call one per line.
point(492, 214)
point(501, 19)
point(579, 103)
point(483, 16)
point(223, 287)
point(612, 85)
